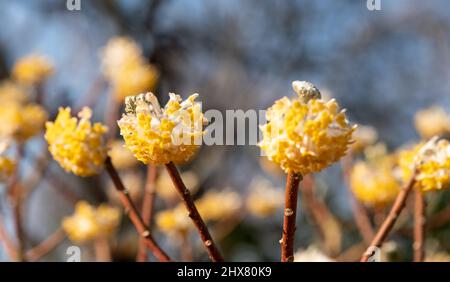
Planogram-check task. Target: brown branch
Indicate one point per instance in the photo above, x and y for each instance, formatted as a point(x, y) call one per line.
point(360, 215)
point(419, 226)
point(290, 214)
point(193, 213)
point(329, 228)
point(15, 193)
point(133, 213)
point(389, 222)
point(147, 207)
point(7, 243)
point(46, 246)
point(102, 249)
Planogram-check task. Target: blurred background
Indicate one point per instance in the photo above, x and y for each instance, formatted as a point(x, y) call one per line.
point(382, 66)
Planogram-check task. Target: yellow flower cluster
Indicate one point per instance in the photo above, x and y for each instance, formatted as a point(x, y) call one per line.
point(164, 185)
point(264, 199)
point(363, 136)
point(305, 135)
point(21, 121)
point(158, 135)
point(432, 161)
point(121, 157)
point(174, 221)
point(77, 145)
point(374, 183)
point(32, 69)
point(213, 206)
point(12, 92)
point(89, 223)
point(7, 168)
point(127, 69)
point(431, 122)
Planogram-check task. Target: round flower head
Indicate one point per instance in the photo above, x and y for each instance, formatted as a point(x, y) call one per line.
point(89, 223)
point(127, 69)
point(432, 162)
point(432, 121)
point(363, 136)
point(373, 182)
point(158, 135)
point(7, 168)
point(264, 199)
point(32, 69)
point(305, 134)
point(121, 157)
point(174, 221)
point(215, 206)
point(76, 144)
point(21, 121)
point(12, 92)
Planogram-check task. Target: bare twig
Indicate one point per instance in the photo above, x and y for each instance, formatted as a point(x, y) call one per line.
point(389, 222)
point(419, 226)
point(7, 243)
point(193, 213)
point(147, 207)
point(133, 213)
point(290, 214)
point(46, 246)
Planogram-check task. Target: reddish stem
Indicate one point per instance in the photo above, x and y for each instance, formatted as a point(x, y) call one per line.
point(193, 213)
point(133, 213)
point(419, 226)
point(147, 207)
point(290, 214)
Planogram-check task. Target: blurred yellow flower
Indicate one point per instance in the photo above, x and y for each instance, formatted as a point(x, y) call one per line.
point(264, 199)
point(438, 257)
point(374, 183)
point(21, 121)
point(7, 168)
point(174, 221)
point(363, 136)
point(76, 144)
point(32, 69)
point(158, 135)
point(305, 135)
point(126, 68)
point(12, 92)
point(121, 157)
point(164, 184)
point(218, 205)
point(432, 121)
point(432, 161)
point(89, 223)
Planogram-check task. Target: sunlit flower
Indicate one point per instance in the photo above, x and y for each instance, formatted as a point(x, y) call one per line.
point(127, 69)
point(432, 121)
point(21, 121)
point(164, 184)
point(76, 144)
point(158, 135)
point(214, 205)
point(374, 183)
point(432, 161)
point(264, 199)
point(12, 92)
point(7, 168)
point(89, 223)
point(363, 136)
point(305, 134)
point(32, 69)
point(121, 157)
